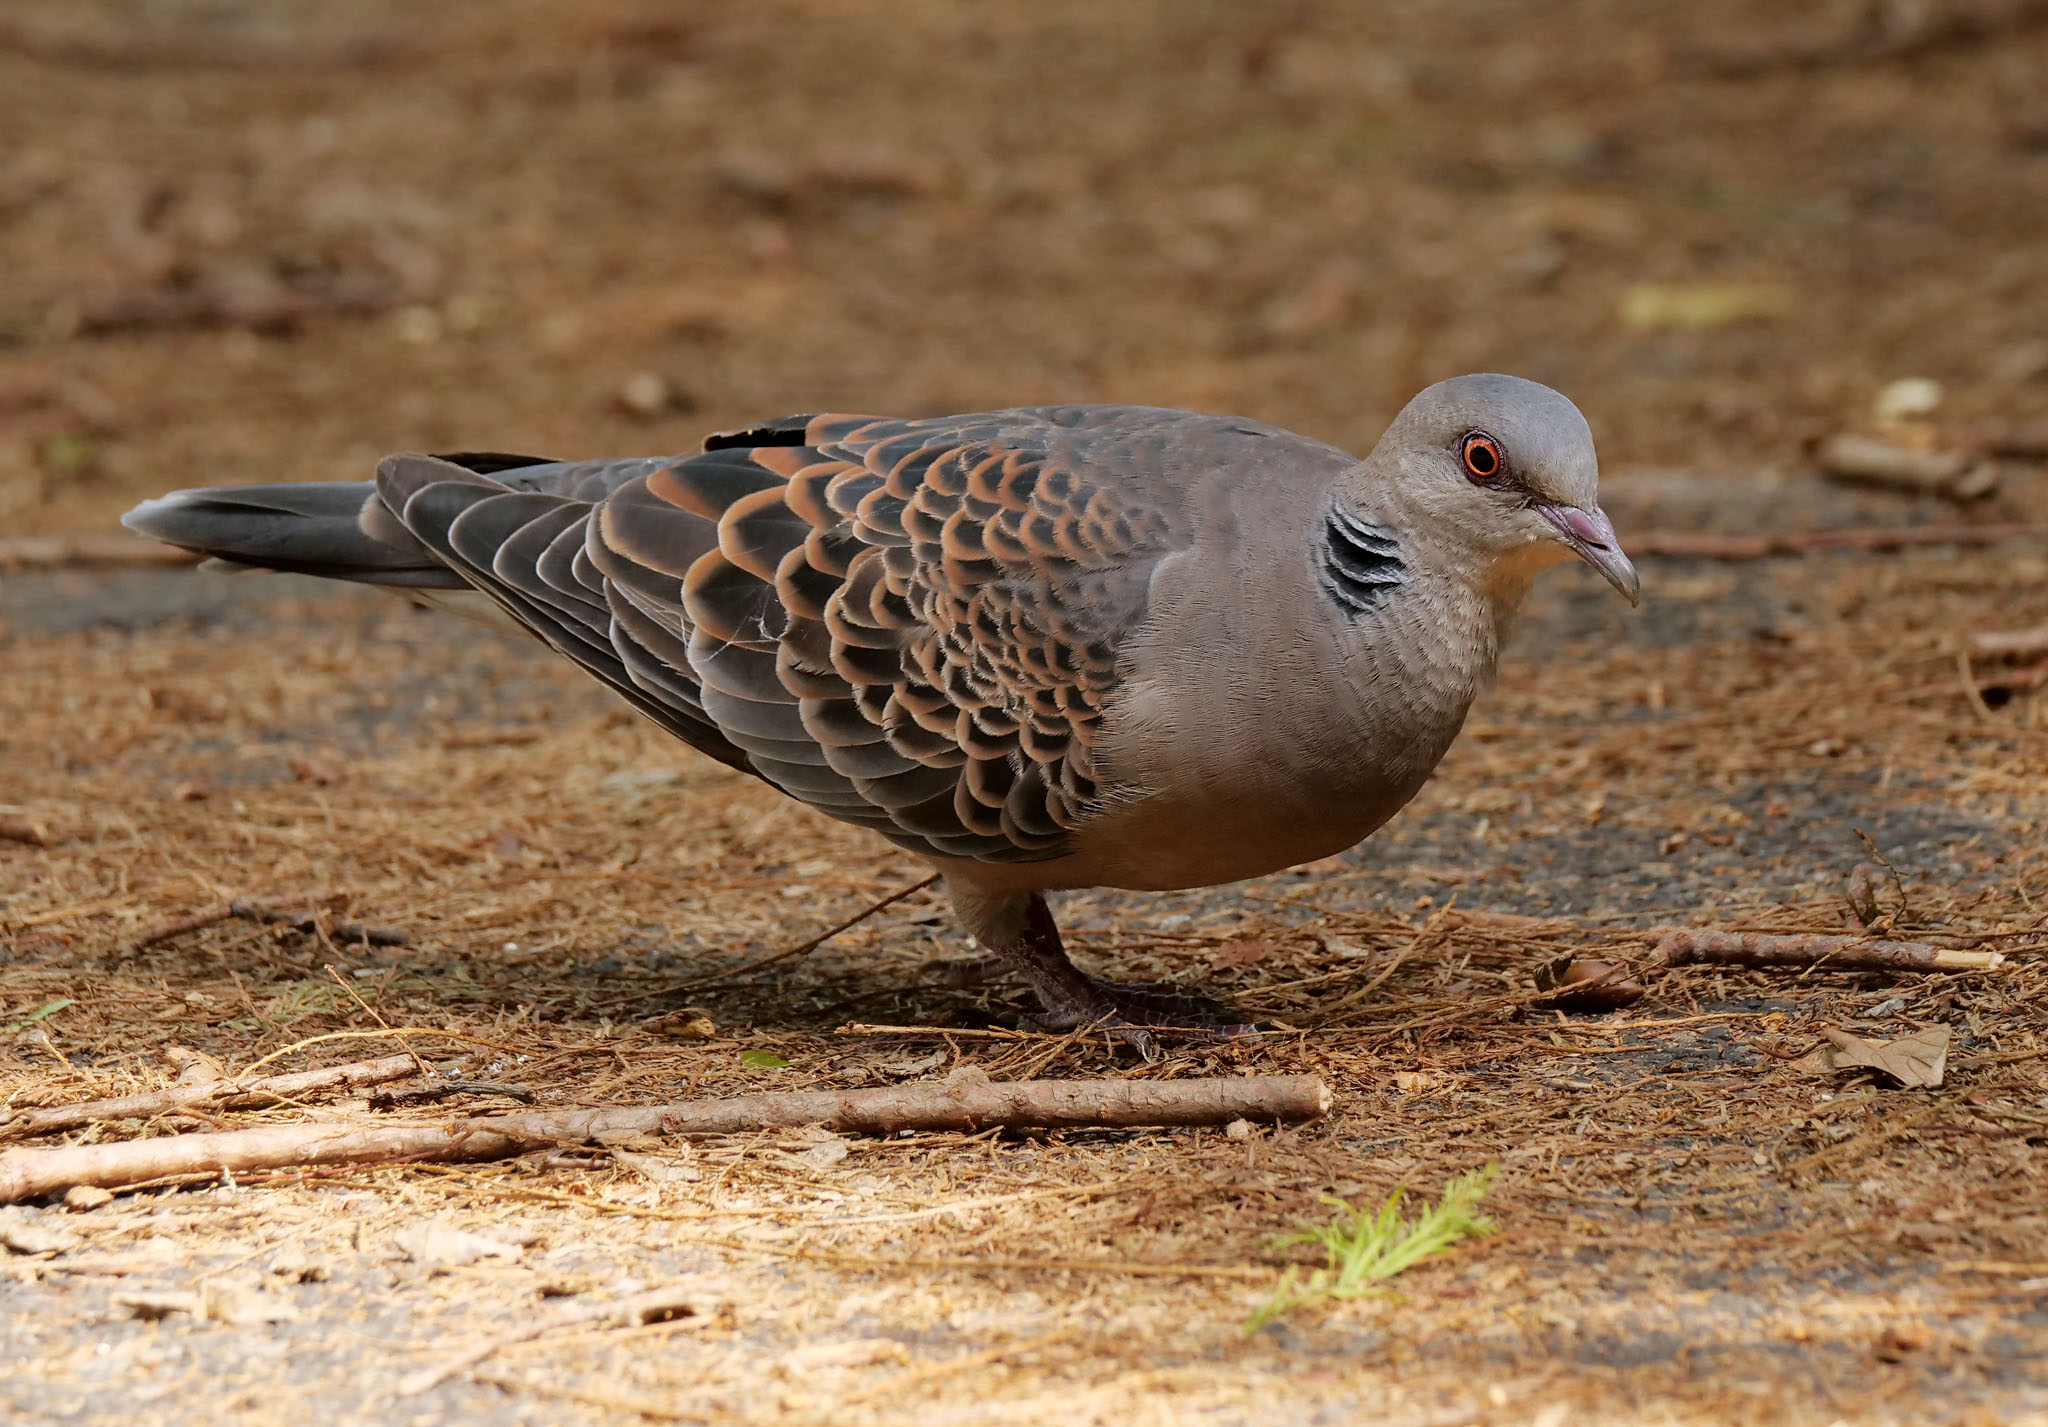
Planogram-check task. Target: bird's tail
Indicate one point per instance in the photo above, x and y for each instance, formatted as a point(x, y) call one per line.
point(316, 528)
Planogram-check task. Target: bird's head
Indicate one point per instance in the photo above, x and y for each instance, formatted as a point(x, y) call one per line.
point(1501, 470)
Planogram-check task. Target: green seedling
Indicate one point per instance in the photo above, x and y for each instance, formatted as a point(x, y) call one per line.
point(1364, 1248)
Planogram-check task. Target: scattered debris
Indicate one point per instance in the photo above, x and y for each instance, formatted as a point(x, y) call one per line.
point(25, 1232)
point(1906, 399)
point(649, 396)
point(436, 1246)
point(655, 1305)
point(228, 1301)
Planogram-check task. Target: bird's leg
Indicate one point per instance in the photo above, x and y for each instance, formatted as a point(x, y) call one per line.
point(1020, 932)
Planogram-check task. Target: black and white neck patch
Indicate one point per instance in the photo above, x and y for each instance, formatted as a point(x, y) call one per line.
point(1361, 565)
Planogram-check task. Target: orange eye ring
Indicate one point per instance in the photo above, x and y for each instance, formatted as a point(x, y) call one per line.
point(1485, 463)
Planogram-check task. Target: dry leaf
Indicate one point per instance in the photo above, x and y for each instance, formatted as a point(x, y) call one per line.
point(1586, 986)
point(824, 1150)
point(240, 1304)
point(435, 1246)
point(1913, 1061)
point(657, 1169)
point(22, 1233)
point(193, 1066)
point(297, 1266)
point(688, 1024)
point(86, 1196)
point(1242, 953)
point(1344, 948)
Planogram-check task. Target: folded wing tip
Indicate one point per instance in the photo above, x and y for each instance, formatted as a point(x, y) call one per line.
point(147, 517)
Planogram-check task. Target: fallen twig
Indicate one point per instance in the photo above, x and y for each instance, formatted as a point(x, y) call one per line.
point(961, 1102)
point(343, 933)
point(223, 1094)
point(2021, 443)
point(442, 1089)
point(1682, 545)
point(1710, 948)
point(1867, 461)
point(803, 948)
point(49, 552)
point(2009, 644)
point(16, 825)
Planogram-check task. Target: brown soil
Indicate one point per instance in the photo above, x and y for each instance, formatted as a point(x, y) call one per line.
point(248, 243)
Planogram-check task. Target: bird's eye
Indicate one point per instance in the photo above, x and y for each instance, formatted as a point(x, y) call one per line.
point(1484, 463)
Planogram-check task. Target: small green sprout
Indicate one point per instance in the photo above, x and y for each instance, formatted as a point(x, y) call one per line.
point(42, 1012)
point(1364, 1248)
point(762, 1060)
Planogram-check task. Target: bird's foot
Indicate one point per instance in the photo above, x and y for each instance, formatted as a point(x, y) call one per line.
point(1131, 1011)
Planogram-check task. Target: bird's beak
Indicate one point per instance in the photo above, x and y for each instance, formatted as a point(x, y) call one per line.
point(1591, 534)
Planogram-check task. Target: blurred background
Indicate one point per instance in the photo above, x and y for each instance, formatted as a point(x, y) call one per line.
point(244, 240)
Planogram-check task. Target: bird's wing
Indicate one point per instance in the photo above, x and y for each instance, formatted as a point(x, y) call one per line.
point(911, 625)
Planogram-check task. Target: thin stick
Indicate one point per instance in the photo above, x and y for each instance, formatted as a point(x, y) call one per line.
point(227, 1094)
point(1814, 949)
point(1684, 545)
point(164, 931)
point(1865, 460)
point(961, 1102)
point(257, 912)
point(2009, 644)
point(801, 949)
point(420, 1064)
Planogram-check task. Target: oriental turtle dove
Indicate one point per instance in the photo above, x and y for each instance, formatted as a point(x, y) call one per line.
point(1044, 648)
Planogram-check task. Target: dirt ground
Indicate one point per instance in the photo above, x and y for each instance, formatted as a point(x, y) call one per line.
point(242, 242)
